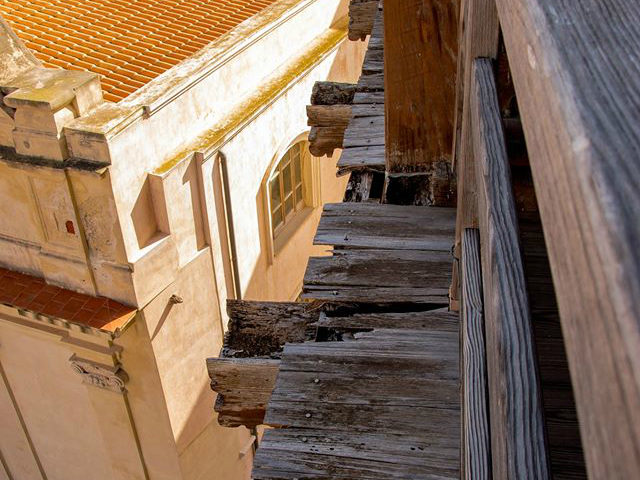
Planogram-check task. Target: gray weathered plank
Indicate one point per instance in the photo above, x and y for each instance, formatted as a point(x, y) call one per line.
point(380, 275)
point(477, 442)
point(517, 426)
point(364, 132)
point(577, 76)
point(385, 226)
point(399, 449)
point(440, 319)
point(361, 158)
point(368, 388)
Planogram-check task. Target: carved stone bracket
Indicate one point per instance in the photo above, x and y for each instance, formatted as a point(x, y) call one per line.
point(108, 377)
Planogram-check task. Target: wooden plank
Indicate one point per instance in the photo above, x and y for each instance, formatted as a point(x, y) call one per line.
point(361, 158)
point(377, 295)
point(362, 14)
point(576, 74)
point(368, 97)
point(517, 427)
point(303, 465)
point(477, 442)
point(383, 226)
point(244, 388)
point(481, 32)
point(388, 449)
point(371, 82)
point(380, 275)
point(420, 66)
point(262, 328)
point(367, 110)
point(437, 424)
point(437, 320)
point(364, 132)
point(435, 362)
point(368, 388)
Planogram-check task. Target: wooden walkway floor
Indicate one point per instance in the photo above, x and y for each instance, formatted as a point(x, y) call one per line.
point(383, 400)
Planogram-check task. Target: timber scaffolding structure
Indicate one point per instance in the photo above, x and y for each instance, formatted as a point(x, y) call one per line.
point(498, 339)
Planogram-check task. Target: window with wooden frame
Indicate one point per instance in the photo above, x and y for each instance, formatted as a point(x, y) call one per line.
point(286, 188)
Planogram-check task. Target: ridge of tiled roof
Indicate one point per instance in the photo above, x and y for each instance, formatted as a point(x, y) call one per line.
point(128, 42)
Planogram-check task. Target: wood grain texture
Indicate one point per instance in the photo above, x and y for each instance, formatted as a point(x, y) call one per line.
point(379, 276)
point(332, 93)
point(517, 427)
point(420, 63)
point(386, 226)
point(262, 328)
point(328, 115)
point(244, 387)
point(577, 79)
point(437, 320)
point(476, 434)
point(481, 32)
point(362, 14)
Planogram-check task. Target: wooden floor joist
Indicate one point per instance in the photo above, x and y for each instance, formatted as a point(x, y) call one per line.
point(244, 387)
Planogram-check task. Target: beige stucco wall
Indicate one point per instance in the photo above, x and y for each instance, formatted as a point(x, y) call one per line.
point(154, 224)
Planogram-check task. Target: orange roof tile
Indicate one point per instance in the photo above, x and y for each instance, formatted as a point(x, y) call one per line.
point(129, 42)
point(32, 293)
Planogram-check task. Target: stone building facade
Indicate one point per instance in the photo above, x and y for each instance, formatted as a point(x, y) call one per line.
point(130, 213)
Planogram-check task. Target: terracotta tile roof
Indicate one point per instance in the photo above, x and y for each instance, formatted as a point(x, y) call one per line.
point(129, 42)
point(34, 294)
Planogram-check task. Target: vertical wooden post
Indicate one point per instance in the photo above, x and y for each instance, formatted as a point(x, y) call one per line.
point(420, 68)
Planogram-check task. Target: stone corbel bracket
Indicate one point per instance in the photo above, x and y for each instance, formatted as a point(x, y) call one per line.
point(108, 377)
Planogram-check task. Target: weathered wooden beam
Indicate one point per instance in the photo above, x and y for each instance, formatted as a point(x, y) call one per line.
point(517, 426)
point(328, 115)
point(420, 42)
point(476, 444)
point(362, 14)
point(359, 186)
point(244, 387)
point(324, 140)
point(577, 78)
point(478, 37)
point(262, 328)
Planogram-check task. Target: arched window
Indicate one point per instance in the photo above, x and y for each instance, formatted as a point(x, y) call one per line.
point(286, 187)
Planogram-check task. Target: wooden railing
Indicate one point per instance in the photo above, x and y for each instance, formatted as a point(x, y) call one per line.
point(576, 74)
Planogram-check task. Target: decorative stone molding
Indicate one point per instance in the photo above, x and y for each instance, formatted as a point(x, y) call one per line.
point(108, 377)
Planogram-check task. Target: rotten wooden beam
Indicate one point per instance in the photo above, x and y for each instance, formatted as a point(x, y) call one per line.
point(260, 329)
point(244, 387)
point(329, 115)
point(362, 14)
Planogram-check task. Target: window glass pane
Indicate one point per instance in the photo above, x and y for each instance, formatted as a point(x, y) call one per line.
point(276, 218)
point(298, 169)
point(299, 198)
point(286, 178)
point(274, 187)
point(288, 205)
